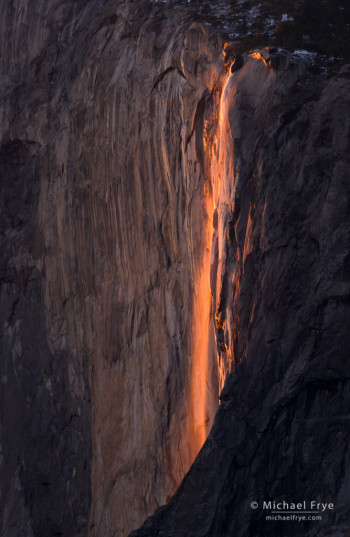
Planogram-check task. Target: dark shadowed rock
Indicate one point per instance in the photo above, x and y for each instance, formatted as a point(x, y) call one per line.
point(237, 63)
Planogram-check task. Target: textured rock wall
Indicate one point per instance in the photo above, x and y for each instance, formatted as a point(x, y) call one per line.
point(102, 236)
point(45, 396)
point(281, 290)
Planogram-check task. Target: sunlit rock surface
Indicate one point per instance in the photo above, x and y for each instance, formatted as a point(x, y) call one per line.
point(111, 151)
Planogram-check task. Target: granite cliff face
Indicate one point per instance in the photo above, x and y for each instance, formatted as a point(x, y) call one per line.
point(121, 157)
point(102, 239)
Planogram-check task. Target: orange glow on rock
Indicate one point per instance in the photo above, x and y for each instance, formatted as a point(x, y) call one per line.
point(259, 56)
point(222, 174)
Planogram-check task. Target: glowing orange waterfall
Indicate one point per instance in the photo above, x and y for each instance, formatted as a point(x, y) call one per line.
point(202, 340)
point(220, 159)
point(222, 174)
point(201, 397)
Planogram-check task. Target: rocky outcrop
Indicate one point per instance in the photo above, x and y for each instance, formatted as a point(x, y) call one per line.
point(121, 157)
